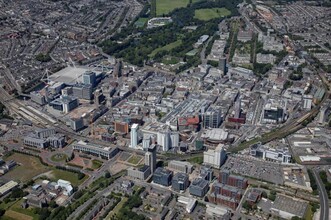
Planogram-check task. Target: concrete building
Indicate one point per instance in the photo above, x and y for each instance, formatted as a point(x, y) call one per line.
point(65, 103)
point(180, 182)
point(89, 78)
point(104, 152)
point(307, 101)
point(274, 112)
point(76, 124)
point(45, 133)
point(212, 118)
point(168, 139)
point(199, 187)
point(134, 136)
point(150, 158)
point(162, 176)
point(38, 98)
point(36, 142)
point(141, 173)
point(122, 127)
point(82, 91)
point(180, 166)
point(215, 158)
point(222, 65)
point(189, 202)
point(218, 212)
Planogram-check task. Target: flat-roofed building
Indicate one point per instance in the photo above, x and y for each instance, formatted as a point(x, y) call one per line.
point(104, 152)
point(141, 173)
point(180, 166)
point(7, 187)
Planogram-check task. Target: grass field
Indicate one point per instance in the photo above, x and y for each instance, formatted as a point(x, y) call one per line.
point(17, 210)
point(69, 176)
point(141, 22)
point(167, 47)
point(96, 164)
point(28, 167)
point(163, 7)
point(134, 159)
point(59, 157)
point(198, 160)
point(207, 14)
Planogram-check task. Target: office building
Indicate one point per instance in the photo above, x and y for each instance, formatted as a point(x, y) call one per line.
point(150, 158)
point(215, 158)
point(212, 118)
point(168, 139)
point(103, 152)
point(180, 166)
point(162, 176)
point(82, 91)
point(89, 78)
point(199, 187)
point(134, 136)
point(36, 142)
point(180, 182)
point(76, 124)
point(307, 101)
point(206, 173)
point(38, 98)
point(65, 104)
point(273, 112)
point(222, 65)
point(141, 173)
point(45, 133)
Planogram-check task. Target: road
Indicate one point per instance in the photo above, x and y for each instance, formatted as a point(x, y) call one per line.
point(324, 200)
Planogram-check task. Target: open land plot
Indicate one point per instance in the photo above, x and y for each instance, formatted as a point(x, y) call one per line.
point(167, 47)
point(96, 164)
point(164, 7)
point(207, 14)
point(28, 167)
point(17, 212)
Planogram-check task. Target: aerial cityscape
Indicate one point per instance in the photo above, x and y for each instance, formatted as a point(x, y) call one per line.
point(165, 109)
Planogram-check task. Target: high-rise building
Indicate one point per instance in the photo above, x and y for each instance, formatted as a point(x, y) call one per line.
point(168, 139)
point(134, 136)
point(215, 158)
point(89, 78)
point(150, 158)
point(82, 91)
point(222, 65)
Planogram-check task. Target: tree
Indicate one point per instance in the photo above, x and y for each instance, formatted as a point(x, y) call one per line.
point(2, 212)
point(107, 175)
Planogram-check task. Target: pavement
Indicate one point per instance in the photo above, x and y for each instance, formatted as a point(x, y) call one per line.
point(324, 200)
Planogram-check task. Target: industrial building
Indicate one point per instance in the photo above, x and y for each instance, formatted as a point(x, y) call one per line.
point(7, 187)
point(215, 158)
point(104, 152)
point(162, 176)
point(180, 166)
point(199, 187)
point(180, 182)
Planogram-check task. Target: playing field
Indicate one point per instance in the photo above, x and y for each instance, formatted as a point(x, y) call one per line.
point(207, 14)
point(28, 167)
point(163, 7)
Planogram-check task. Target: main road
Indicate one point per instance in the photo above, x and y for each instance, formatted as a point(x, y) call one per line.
point(324, 200)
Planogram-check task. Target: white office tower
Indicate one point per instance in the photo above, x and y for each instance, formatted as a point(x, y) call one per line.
point(215, 158)
point(146, 141)
point(307, 101)
point(163, 139)
point(134, 136)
